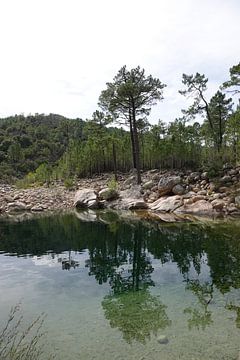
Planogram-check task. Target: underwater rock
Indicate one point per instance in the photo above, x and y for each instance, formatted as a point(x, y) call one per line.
point(162, 339)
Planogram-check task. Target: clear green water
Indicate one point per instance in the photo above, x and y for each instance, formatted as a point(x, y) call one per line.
point(135, 281)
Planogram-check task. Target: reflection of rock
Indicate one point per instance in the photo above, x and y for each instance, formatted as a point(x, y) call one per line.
point(86, 198)
point(165, 217)
point(86, 215)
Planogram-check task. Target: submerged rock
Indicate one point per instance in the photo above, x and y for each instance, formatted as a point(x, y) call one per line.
point(162, 339)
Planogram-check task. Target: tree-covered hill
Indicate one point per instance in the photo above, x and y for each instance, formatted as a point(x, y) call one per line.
point(28, 141)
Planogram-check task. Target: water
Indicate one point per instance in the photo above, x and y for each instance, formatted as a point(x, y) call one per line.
point(111, 286)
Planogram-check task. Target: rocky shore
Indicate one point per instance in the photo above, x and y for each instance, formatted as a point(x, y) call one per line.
point(161, 193)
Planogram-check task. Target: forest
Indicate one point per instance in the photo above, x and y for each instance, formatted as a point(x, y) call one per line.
point(41, 148)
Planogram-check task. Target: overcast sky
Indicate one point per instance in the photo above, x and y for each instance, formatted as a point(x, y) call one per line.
point(57, 55)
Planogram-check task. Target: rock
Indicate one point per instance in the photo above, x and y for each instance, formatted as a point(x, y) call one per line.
point(204, 175)
point(162, 339)
point(218, 204)
point(86, 198)
point(166, 184)
point(194, 176)
point(216, 196)
point(189, 194)
point(233, 172)
point(197, 198)
point(153, 197)
point(167, 204)
point(223, 189)
point(212, 187)
point(156, 177)
point(227, 166)
point(232, 208)
point(202, 192)
point(148, 185)
point(237, 200)
point(225, 179)
point(178, 189)
point(201, 207)
point(37, 208)
point(108, 194)
point(17, 206)
point(128, 204)
point(134, 193)
point(132, 180)
point(134, 204)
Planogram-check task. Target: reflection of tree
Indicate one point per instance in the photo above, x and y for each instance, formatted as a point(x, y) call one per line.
point(201, 317)
point(137, 314)
point(121, 260)
point(126, 265)
point(68, 263)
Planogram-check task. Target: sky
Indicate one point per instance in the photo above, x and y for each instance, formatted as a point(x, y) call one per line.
point(57, 55)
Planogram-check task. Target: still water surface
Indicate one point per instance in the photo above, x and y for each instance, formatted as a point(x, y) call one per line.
point(111, 287)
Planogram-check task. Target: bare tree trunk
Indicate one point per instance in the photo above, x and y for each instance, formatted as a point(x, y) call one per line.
point(132, 141)
point(136, 147)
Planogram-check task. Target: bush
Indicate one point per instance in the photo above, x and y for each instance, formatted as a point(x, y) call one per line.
point(19, 342)
point(69, 184)
point(112, 184)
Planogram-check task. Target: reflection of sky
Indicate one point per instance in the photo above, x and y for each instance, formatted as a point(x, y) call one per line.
point(54, 260)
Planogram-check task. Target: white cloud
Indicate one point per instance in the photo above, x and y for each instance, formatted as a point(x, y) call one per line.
point(56, 56)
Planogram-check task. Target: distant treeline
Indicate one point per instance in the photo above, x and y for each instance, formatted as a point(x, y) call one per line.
point(49, 147)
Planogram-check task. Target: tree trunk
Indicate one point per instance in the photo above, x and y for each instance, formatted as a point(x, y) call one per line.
point(132, 141)
point(136, 146)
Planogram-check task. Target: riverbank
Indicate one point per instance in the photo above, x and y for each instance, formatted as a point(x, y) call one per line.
point(161, 193)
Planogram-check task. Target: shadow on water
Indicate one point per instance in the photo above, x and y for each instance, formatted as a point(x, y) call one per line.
point(121, 253)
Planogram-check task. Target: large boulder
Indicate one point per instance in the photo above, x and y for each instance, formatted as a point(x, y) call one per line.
point(201, 207)
point(130, 199)
point(167, 204)
point(166, 184)
point(86, 198)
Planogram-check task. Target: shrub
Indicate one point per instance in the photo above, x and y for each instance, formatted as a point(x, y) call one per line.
point(22, 342)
